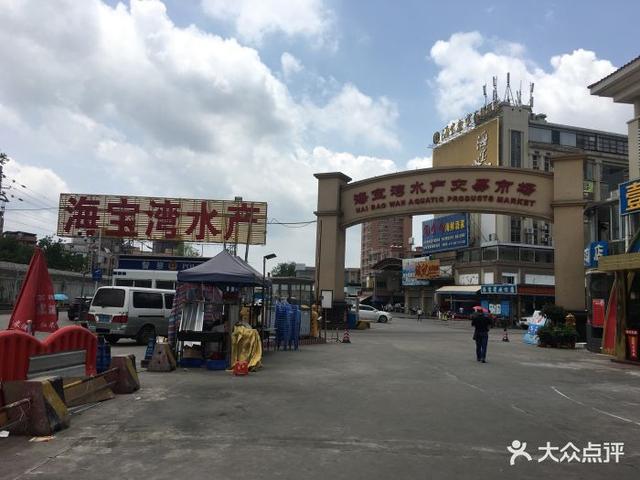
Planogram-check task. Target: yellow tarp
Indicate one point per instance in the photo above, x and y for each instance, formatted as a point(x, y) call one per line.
point(246, 346)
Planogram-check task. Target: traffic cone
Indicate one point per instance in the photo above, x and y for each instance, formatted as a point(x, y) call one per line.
point(505, 336)
point(345, 337)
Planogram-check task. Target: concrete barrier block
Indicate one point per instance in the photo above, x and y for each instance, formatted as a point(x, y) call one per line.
point(46, 413)
point(126, 378)
point(162, 359)
point(85, 391)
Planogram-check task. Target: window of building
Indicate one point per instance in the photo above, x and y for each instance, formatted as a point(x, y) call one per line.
point(568, 139)
point(516, 230)
point(544, 256)
point(509, 278)
point(542, 135)
point(535, 160)
point(612, 176)
point(555, 137)
point(489, 254)
point(547, 162)
point(589, 169)
point(586, 141)
point(508, 254)
point(516, 148)
point(527, 255)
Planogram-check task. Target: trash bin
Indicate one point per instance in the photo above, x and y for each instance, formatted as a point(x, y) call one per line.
point(632, 344)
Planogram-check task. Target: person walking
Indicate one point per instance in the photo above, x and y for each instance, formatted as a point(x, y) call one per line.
point(481, 324)
point(420, 313)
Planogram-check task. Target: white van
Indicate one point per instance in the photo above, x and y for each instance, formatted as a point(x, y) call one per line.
point(130, 312)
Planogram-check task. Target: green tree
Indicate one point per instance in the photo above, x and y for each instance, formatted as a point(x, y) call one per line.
point(13, 251)
point(284, 269)
point(185, 249)
point(59, 257)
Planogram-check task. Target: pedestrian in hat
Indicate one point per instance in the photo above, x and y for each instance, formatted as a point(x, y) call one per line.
point(481, 323)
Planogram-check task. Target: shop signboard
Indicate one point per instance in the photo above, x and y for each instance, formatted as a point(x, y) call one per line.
point(427, 269)
point(160, 218)
point(445, 233)
point(593, 252)
point(499, 289)
point(629, 197)
point(409, 268)
point(133, 262)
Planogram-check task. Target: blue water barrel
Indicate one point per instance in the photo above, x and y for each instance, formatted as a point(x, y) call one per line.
point(103, 355)
point(352, 320)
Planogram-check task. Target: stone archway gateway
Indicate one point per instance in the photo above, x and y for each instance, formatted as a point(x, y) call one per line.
point(553, 197)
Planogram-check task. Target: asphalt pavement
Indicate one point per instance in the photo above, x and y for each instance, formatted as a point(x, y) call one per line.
point(404, 400)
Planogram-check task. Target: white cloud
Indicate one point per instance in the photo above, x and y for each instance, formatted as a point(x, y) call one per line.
point(290, 65)
point(254, 19)
point(358, 117)
point(121, 100)
point(420, 162)
point(466, 61)
point(32, 192)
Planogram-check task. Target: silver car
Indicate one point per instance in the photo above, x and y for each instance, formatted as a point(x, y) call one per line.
point(130, 312)
point(369, 313)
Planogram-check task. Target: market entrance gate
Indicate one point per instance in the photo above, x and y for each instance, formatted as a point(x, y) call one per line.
point(553, 197)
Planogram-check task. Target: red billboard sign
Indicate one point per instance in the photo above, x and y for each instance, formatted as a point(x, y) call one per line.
point(155, 218)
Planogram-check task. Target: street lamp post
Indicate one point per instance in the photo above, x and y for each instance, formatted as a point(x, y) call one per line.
point(264, 284)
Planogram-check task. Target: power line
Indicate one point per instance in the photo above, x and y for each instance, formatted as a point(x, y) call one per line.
point(17, 185)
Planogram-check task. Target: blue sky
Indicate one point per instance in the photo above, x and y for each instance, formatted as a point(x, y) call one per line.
point(217, 98)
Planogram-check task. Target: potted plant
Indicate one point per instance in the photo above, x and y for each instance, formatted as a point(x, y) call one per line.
point(567, 336)
point(546, 337)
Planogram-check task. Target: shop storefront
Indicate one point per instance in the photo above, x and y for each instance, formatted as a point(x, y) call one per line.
point(622, 316)
point(458, 300)
point(500, 299)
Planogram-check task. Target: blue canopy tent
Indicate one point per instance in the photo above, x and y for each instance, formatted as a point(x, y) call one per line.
point(221, 272)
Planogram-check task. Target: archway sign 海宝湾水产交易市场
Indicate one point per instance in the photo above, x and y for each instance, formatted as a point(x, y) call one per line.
point(553, 197)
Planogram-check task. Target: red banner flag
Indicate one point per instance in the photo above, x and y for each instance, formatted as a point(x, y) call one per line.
point(35, 301)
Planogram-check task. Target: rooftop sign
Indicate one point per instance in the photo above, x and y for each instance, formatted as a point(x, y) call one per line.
point(160, 218)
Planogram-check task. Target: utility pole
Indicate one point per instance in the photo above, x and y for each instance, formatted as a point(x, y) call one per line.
point(3, 196)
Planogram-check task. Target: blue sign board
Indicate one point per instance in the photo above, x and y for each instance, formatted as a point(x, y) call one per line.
point(159, 263)
point(499, 289)
point(96, 275)
point(594, 251)
point(629, 197)
point(445, 233)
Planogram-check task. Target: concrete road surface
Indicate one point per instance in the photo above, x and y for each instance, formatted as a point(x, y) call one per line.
point(405, 400)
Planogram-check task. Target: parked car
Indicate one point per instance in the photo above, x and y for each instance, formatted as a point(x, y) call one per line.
point(130, 312)
point(78, 308)
point(374, 315)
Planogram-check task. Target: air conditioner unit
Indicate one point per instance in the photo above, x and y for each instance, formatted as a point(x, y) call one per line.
point(614, 194)
point(528, 230)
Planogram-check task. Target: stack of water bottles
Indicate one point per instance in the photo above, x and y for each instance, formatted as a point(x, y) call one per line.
point(287, 326)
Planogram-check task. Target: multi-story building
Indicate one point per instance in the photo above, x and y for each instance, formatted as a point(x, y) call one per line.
point(517, 251)
point(612, 258)
point(25, 238)
point(382, 239)
point(351, 277)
